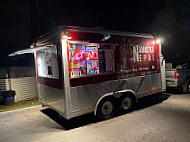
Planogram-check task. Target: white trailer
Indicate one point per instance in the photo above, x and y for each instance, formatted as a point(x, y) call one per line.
point(82, 70)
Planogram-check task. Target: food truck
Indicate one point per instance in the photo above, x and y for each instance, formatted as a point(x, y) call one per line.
point(82, 70)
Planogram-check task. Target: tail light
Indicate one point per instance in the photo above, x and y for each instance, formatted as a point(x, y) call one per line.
point(176, 75)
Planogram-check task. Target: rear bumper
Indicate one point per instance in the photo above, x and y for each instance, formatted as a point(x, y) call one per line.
point(172, 83)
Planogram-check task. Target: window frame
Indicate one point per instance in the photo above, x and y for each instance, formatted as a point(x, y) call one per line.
point(93, 44)
point(48, 47)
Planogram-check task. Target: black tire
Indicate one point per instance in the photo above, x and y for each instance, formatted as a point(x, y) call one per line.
point(126, 104)
point(186, 88)
point(106, 108)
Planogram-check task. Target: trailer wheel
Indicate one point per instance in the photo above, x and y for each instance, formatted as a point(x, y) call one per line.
point(126, 104)
point(186, 88)
point(106, 108)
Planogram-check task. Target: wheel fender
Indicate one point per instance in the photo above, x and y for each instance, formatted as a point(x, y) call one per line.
point(101, 98)
point(114, 94)
point(185, 86)
point(126, 92)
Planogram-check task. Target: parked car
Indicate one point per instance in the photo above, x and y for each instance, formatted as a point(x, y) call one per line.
point(178, 78)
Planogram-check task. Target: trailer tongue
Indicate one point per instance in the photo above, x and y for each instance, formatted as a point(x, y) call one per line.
point(81, 70)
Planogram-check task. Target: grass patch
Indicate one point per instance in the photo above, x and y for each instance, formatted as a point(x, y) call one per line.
point(19, 105)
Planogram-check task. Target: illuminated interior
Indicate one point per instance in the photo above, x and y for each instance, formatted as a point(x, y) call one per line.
point(47, 62)
point(90, 59)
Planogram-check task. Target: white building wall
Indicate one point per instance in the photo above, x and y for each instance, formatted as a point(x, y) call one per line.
point(25, 87)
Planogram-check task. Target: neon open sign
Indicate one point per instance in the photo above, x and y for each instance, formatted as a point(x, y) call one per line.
point(85, 54)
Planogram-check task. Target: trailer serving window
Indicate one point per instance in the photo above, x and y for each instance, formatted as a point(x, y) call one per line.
point(90, 59)
point(47, 62)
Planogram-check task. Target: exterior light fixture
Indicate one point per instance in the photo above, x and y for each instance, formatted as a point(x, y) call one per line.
point(153, 42)
point(106, 37)
point(158, 41)
point(66, 37)
point(32, 46)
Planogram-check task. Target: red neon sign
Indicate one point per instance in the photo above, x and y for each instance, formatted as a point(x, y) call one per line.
point(88, 54)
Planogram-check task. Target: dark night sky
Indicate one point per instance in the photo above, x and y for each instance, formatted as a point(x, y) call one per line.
point(24, 20)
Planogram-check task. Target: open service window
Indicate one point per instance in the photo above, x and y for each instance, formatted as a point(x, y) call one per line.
point(87, 59)
point(47, 62)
